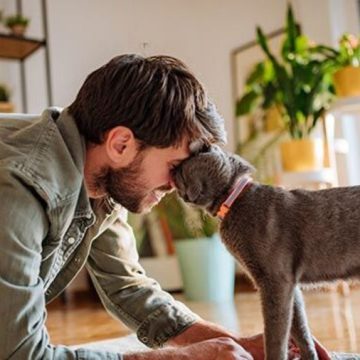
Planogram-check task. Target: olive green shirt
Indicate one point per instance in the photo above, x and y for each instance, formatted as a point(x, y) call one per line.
point(49, 230)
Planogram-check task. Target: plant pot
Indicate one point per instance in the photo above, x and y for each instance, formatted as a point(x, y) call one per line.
point(347, 81)
point(302, 155)
point(6, 107)
point(207, 269)
point(273, 119)
point(18, 30)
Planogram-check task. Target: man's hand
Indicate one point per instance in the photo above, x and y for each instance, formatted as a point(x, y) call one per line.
point(255, 346)
point(203, 330)
point(199, 331)
point(222, 348)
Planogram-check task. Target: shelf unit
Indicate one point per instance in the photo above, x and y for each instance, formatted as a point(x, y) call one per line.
point(19, 48)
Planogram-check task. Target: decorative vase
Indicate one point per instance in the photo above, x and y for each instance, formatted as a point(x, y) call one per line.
point(347, 81)
point(302, 155)
point(207, 269)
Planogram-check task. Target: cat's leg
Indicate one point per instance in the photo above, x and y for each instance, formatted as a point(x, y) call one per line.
point(277, 304)
point(300, 330)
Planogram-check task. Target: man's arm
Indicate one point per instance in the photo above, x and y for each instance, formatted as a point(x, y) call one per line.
point(128, 293)
point(212, 349)
point(23, 227)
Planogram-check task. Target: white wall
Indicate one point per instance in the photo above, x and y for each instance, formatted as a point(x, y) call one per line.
point(84, 34)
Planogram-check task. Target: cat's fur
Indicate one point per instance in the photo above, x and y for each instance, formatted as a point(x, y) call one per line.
point(281, 237)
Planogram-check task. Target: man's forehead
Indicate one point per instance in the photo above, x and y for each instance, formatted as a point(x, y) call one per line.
point(188, 148)
point(182, 151)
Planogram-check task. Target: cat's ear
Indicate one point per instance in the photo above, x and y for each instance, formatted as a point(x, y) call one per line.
point(199, 146)
point(240, 165)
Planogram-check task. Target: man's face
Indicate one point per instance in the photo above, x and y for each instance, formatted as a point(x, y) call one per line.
point(141, 184)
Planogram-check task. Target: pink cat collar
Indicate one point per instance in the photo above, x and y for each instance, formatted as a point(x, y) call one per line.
point(241, 184)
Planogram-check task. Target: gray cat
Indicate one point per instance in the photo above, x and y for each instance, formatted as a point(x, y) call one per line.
point(281, 237)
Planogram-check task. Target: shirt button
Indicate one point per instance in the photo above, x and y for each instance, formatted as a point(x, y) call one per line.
point(88, 216)
point(71, 240)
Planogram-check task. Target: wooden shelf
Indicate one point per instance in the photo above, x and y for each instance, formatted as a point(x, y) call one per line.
point(18, 48)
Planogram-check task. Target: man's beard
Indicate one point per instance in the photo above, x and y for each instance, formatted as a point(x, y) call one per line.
point(125, 186)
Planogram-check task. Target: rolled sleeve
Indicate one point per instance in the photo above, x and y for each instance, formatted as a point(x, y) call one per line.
point(128, 294)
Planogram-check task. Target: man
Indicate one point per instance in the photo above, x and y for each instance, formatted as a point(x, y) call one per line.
point(66, 179)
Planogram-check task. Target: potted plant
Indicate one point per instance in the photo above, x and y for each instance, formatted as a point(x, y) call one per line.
point(265, 123)
point(17, 24)
point(207, 269)
point(347, 66)
point(302, 90)
point(260, 92)
point(5, 104)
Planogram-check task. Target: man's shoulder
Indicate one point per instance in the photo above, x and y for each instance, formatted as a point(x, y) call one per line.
point(34, 148)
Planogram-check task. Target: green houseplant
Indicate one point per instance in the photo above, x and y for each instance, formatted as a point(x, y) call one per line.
point(5, 104)
point(17, 24)
point(299, 84)
point(4, 93)
point(347, 66)
point(185, 222)
point(207, 269)
point(302, 79)
point(266, 124)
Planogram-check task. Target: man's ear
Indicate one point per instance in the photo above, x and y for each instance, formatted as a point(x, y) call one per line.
point(121, 146)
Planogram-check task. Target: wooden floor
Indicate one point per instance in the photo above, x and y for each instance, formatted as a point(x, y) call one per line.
point(334, 318)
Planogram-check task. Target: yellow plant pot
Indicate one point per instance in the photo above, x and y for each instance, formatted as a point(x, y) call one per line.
point(347, 81)
point(273, 119)
point(6, 107)
point(302, 155)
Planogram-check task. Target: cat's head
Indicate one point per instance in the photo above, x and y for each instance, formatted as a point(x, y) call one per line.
point(207, 175)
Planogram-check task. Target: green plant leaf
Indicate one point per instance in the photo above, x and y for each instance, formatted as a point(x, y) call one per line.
point(291, 29)
point(247, 103)
point(179, 216)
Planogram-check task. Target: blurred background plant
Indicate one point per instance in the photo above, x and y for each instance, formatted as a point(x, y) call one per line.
point(349, 51)
point(301, 85)
point(185, 221)
point(17, 24)
point(291, 90)
point(347, 66)
point(4, 93)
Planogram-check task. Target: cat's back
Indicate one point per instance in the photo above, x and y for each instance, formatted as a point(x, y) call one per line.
point(306, 228)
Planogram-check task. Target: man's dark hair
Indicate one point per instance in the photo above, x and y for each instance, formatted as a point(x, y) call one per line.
point(157, 97)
